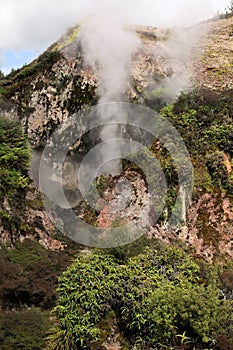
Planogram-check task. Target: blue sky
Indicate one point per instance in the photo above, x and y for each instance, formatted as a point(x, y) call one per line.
point(14, 59)
point(30, 26)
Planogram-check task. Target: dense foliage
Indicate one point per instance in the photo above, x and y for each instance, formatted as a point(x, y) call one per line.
point(14, 163)
point(28, 281)
point(28, 274)
point(23, 330)
point(205, 121)
point(158, 299)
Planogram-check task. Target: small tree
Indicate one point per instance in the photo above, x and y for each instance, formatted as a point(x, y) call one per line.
point(230, 7)
point(1, 75)
point(14, 162)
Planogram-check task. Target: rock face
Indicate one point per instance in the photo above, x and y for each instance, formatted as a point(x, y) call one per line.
point(48, 91)
point(215, 215)
point(51, 95)
point(59, 83)
point(126, 202)
point(31, 222)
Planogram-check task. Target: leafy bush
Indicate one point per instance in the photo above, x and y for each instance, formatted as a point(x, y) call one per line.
point(157, 296)
point(80, 308)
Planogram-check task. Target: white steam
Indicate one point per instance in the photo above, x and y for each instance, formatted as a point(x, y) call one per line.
point(179, 53)
point(108, 48)
point(109, 45)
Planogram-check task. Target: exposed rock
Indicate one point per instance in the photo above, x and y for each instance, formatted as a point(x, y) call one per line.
point(211, 227)
point(128, 201)
point(33, 222)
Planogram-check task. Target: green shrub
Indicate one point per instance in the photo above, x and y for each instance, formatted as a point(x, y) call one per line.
point(84, 299)
point(217, 169)
point(158, 297)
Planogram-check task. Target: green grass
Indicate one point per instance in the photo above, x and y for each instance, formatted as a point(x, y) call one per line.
point(26, 253)
point(25, 330)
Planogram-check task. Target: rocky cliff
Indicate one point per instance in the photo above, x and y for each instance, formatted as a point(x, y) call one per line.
point(59, 83)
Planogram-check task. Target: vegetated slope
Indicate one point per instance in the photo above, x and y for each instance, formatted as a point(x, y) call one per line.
point(215, 67)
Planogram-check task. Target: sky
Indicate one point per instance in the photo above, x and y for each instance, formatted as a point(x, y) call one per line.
point(28, 27)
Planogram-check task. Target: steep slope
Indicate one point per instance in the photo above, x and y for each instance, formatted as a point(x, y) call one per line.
point(46, 92)
point(215, 67)
point(59, 83)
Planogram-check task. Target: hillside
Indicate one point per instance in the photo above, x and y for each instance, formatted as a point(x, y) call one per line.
point(214, 70)
point(185, 75)
point(59, 83)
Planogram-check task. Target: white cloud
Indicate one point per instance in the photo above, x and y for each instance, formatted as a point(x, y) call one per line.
point(34, 24)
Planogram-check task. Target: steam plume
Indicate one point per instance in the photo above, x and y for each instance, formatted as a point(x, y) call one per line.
point(108, 47)
point(179, 52)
